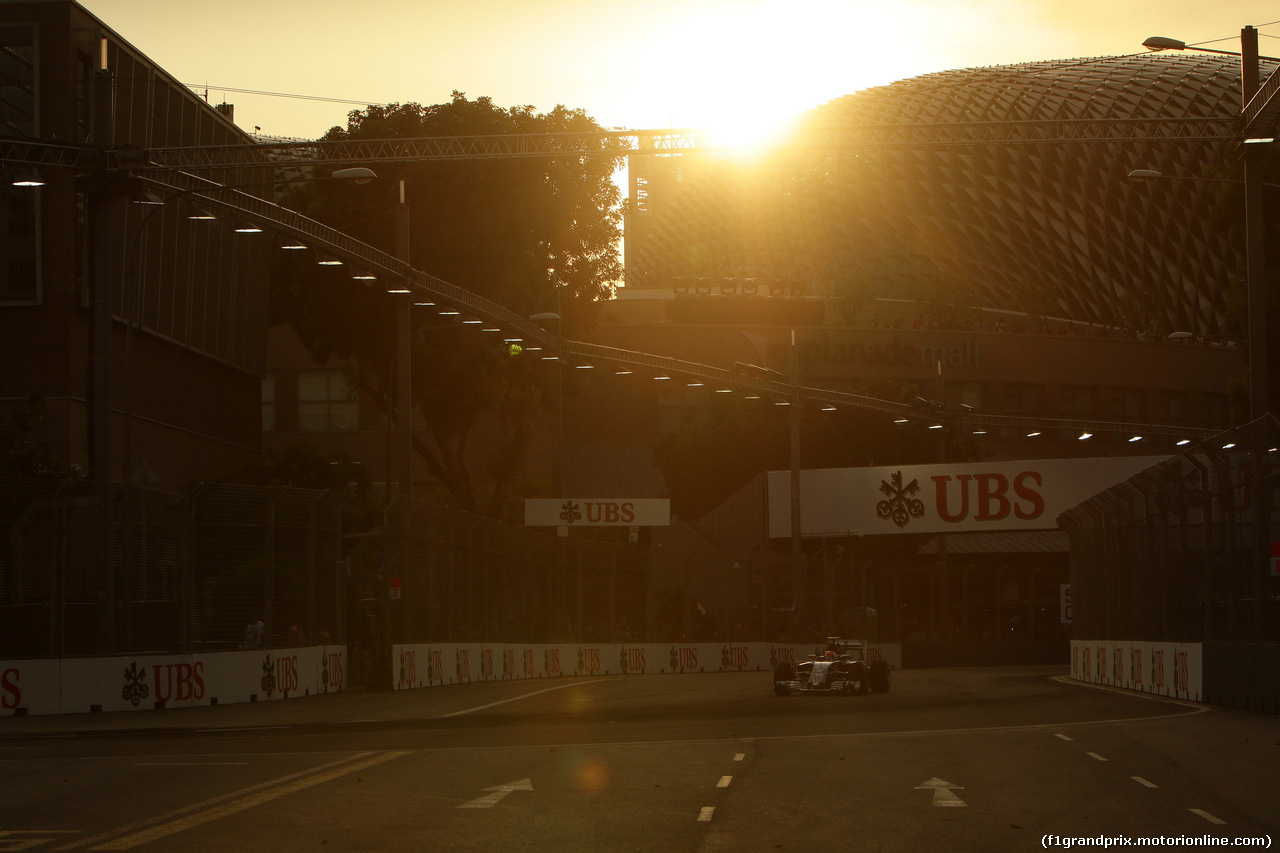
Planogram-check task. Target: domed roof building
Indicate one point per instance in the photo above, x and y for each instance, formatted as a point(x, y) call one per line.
point(1000, 188)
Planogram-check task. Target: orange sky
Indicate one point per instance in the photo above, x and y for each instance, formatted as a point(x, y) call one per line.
point(662, 63)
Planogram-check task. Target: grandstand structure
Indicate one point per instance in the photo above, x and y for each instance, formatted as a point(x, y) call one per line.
point(1042, 223)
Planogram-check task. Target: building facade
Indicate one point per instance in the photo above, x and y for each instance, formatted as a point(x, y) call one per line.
point(187, 299)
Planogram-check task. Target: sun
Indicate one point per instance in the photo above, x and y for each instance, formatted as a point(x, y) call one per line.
point(740, 73)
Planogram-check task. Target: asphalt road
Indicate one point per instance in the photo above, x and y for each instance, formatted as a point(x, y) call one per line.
point(978, 759)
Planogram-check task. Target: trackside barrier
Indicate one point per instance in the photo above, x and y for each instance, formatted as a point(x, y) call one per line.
point(152, 682)
point(1162, 669)
point(438, 664)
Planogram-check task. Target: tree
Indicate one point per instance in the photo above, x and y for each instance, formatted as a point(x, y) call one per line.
point(534, 235)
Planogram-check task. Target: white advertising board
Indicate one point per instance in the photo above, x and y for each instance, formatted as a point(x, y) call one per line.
point(432, 665)
point(149, 682)
point(30, 686)
point(1163, 669)
point(960, 498)
point(597, 512)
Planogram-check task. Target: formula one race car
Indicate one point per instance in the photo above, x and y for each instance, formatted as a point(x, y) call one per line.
point(842, 668)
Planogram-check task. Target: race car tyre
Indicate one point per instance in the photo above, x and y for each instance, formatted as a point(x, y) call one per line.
point(783, 672)
point(858, 673)
point(880, 677)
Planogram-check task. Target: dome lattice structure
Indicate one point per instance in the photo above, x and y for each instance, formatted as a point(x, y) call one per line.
point(1050, 228)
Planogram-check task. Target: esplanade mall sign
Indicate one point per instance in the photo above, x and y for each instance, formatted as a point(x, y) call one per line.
point(959, 498)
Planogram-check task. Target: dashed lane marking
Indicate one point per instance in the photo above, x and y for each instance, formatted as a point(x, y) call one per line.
point(706, 813)
point(1096, 757)
point(740, 756)
point(1204, 814)
point(724, 781)
point(1142, 781)
point(1064, 737)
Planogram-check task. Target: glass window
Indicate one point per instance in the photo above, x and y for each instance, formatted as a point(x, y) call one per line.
point(269, 404)
point(18, 81)
point(1126, 404)
point(1020, 399)
point(19, 245)
point(326, 402)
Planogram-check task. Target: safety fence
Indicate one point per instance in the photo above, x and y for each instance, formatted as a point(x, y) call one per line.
point(461, 576)
point(440, 664)
point(113, 570)
point(1184, 551)
point(1174, 575)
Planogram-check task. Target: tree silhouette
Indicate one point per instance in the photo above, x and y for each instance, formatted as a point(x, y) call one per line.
point(532, 234)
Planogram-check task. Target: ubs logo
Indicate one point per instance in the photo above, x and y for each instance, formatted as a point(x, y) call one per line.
point(570, 512)
point(901, 504)
point(985, 497)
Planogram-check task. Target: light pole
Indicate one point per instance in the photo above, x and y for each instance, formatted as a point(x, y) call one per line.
point(1255, 241)
point(557, 431)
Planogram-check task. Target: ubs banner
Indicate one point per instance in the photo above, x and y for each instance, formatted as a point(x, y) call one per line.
point(959, 498)
point(438, 664)
point(597, 512)
point(1163, 669)
point(148, 682)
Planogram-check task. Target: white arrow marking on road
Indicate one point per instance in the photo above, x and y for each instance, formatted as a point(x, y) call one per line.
point(942, 795)
point(488, 801)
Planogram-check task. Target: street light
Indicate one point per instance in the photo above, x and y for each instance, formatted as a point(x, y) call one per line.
point(1255, 244)
point(557, 434)
point(157, 202)
point(1157, 43)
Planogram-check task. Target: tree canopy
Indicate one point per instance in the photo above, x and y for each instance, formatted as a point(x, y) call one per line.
point(532, 234)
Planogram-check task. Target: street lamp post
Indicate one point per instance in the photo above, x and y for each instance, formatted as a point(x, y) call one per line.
point(1255, 242)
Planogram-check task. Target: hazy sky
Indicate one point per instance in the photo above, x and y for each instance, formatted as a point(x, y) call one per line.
point(661, 63)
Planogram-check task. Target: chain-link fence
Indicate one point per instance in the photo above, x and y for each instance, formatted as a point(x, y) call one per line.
point(87, 571)
point(1184, 552)
point(467, 577)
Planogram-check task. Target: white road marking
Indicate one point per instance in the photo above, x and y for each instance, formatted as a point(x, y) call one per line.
point(242, 729)
point(4, 832)
point(518, 698)
point(1096, 757)
point(488, 801)
point(1204, 814)
point(29, 839)
point(186, 763)
point(740, 756)
point(706, 813)
point(1142, 781)
point(724, 781)
point(1064, 737)
point(942, 792)
point(263, 796)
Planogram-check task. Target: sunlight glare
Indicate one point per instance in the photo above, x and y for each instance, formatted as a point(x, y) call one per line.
point(741, 75)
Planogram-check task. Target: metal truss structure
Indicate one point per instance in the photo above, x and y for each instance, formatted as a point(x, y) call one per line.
point(171, 170)
point(424, 287)
point(613, 143)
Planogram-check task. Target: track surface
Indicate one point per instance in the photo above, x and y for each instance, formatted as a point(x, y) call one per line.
point(978, 759)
